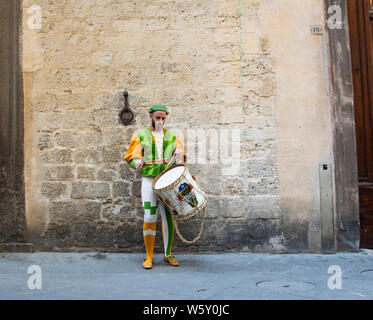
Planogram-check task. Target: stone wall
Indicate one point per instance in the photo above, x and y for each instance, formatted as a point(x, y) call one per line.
point(219, 65)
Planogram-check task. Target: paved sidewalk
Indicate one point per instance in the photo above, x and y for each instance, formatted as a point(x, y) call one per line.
point(199, 276)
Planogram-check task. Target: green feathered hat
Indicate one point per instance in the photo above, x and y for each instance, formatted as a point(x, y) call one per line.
point(158, 107)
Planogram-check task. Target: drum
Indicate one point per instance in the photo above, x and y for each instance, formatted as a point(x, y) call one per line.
point(179, 191)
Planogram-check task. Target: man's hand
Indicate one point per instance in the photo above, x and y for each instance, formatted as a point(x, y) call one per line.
point(139, 164)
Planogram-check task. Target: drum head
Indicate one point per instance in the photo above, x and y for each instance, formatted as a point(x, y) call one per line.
point(169, 177)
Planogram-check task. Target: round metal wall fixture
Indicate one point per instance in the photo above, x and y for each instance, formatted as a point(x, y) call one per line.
point(126, 115)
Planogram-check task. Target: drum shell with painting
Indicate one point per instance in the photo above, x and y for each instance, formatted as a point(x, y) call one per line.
point(180, 192)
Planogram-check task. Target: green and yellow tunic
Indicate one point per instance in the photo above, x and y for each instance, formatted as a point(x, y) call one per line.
point(143, 146)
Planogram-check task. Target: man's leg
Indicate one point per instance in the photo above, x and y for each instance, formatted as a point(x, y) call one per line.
point(150, 204)
point(168, 233)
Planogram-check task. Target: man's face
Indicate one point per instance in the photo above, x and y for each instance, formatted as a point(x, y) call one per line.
point(158, 119)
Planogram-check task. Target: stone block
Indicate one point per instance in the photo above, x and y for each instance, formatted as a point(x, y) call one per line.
point(232, 207)
point(213, 207)
point(87, 156)
point(65, 139)
point(88, 210)
point(129, 235)
point(263, 207)
point(120, 211)
point(63, 211)
point(53, 190)
point(125, 171)
point(107, 174)
point(262, 108)
point(233, 114)
point(86, 173)
point(90, 190)
point(16, 247)
point(57, 235)
point(259, 168)
point(45, 141)
point(58, 172)
point(83, 233)
point(57, 156)
point(261, 149)
point(105, 117)
point(257, 65)
point(113, 154)
point(90, 138)
point(265, 133)
point(257, 229)
point(121, 189)
point(101, 58)
point(232, 186)
point(236, 234)
point(211, 186)
point(264, 185)
point(113, 136)
point(136, 188)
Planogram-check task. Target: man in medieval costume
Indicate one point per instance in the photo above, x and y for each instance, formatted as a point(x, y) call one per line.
point(150, 150)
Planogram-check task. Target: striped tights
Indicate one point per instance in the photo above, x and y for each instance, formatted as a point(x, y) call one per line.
point(151, 205)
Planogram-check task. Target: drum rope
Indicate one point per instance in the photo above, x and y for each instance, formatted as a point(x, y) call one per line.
point(200, 230)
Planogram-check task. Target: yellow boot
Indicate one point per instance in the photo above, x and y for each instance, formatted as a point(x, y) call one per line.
point(148, 263)
point(149, 239)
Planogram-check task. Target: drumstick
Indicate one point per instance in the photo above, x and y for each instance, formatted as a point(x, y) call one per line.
point(168, 164)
